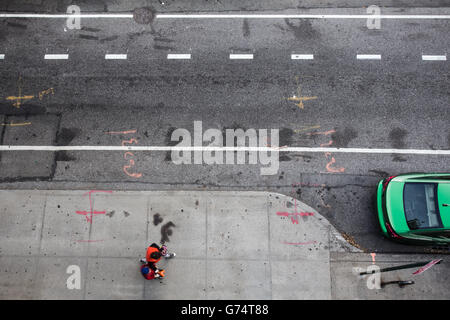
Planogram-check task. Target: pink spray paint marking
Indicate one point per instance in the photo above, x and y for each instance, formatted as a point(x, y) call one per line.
point(373, 257)
point(300, 243)
point(92, 211)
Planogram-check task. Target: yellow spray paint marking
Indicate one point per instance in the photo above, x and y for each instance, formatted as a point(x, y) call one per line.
point(299, 98)
point(46, 92)
point(12, 124)
point(307, 129)
point(20, 99)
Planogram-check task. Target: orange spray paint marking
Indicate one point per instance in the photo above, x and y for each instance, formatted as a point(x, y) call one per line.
point(325, 133)
point(126, 167)
point(121, 132)
point(333, 161)
point(329, 143)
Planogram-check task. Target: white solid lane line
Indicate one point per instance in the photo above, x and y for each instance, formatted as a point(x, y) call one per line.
point(248, 149)
point(434, 58)
point(226, 16)
point(302, 56)
point(368, 56)
point(179, 56)
point(298, 16)
point(115, 56)
point(237, 56)
point(56, 57)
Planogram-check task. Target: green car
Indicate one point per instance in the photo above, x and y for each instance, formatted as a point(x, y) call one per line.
point(415, 208)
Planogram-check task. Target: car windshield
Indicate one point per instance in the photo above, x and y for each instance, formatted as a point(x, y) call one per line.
point(421, 206)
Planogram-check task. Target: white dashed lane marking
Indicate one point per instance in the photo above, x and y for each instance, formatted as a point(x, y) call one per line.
point(2, 56)
point(115, 56)
point(241, 56)
point(434, 58)
point(295, 56)
point(56, 57)
point(180, 56)
point(368, 56)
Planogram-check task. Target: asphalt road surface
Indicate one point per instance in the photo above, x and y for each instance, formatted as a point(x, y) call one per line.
point(323, 82)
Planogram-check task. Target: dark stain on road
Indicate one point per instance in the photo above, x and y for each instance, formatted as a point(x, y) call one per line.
point(448, 141)
point(170, 143)
point(157, 219)
point(144, 15)
point(166, 232)
point(341, 139)
point(63, 138)
point(380, 173)
point(112, 38)
point(285, 139)
point(303, 30)
point(158, 47)
point(66, 135)
point(16, 25)
point(87, 37)
point(397, 138)
point(88, 29)
point(126, 214)
point(245, 28)
point(111, 213)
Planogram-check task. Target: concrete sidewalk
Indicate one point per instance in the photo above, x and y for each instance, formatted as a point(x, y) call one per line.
point(229, 245)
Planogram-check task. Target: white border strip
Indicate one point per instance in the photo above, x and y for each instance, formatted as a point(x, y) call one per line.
point(56, 57)
point(181, 56)
point(224, 16)
point(434, 58)
point(295, 56)
point(115, 56)
point(368, 56)
point(248, 149)
point(241, 56)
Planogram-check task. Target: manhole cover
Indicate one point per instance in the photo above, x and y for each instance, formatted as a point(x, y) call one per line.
point(143, 15)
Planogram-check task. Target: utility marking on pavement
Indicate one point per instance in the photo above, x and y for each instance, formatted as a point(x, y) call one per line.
point(239, 56)
point(121, 132)
point(307, 129)
point(368, 56)
point(115, 56)
point(373, 257)
point(175, 56)
point(302, 56)
point(47, 92)
point(12, 124)
point(248, 149)
point(300, 99)
point(18, 100)
point(300, 243)
point(56, 57)
point(226, 16)
point(434, 58)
